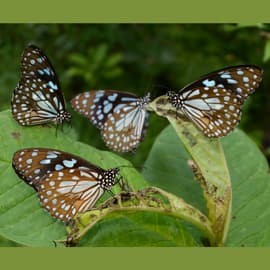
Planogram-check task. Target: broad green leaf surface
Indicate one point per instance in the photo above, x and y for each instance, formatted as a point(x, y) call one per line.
point(22, 219)
point(139, 229)
point(250, 183)
point(167, 168)
point(266, 56)
point(210, 164)
point(162, 214)
point(251, 192)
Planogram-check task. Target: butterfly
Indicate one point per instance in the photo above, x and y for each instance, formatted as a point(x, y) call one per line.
point(66, 184)
point(121, 116)
point(213, 103)
point(38, 99)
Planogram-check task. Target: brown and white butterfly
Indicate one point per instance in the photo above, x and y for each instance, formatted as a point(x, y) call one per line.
point(213, 103)
point(66, 184)
point(121, 116)
point(38, 99)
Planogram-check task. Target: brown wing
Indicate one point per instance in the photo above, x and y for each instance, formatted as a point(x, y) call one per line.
point(37, 99)
point(96, 105)
point(69, 192)
point(125, 128)
point(31, 164)
point(215, 111)
point(241, 80)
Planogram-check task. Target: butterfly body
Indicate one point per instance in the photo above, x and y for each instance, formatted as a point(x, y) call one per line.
point(121, 116)
point(66, 184)
point(213, 103)
point(38, 98)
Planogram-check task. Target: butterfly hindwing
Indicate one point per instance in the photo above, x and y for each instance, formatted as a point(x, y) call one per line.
point(69, 191)
point(214, 110)
point(125, 129)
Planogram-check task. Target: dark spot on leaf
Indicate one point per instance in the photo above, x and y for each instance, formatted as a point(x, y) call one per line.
point(206, 242)
point(192, 141)
point(16, 135)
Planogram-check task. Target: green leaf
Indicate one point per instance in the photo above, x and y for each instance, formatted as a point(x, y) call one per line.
point(167, 163)
point(168, 210)
point(78, 59)
point(113, 60)
point(251, 191)
point(138, 229)
point(209, 166)
point(22, 219)
point(266, 55)
point(98, 54)
point(167, 167)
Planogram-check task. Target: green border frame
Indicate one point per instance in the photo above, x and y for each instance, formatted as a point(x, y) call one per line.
point(134, 258)
point(124, 11)
point(150, 11)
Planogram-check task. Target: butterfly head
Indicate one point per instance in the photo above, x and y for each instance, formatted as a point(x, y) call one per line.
point(174, 99)
point(144, 101)
point(63, 116)
point(109, 178)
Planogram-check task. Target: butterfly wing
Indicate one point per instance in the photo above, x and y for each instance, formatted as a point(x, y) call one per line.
point(215, 111)
point(31, 164)
point(241, 80)
point(37, 99)
point(214, 101)
point(125, 128)
point(66, 184)
point(69, 192)
point(121, 116)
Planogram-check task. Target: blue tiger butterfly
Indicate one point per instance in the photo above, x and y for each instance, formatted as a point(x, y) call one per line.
point(38, 99)
point(121, 116)
point(213, 103)
point(66, 184)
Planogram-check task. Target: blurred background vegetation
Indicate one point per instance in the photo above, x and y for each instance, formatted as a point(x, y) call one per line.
point(141, 58)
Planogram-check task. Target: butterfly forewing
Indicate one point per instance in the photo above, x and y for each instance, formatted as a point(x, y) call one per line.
point(38, 99)
point(242, 80)
point(121, 116)
point(33, 163)
point(66, 184)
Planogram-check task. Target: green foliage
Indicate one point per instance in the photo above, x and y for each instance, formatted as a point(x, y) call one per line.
point(195, 196)
point(139, 229)
point(148, 55)
point(96, 66)
point(167, 168)
point(19, 205)
point(266, 56)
